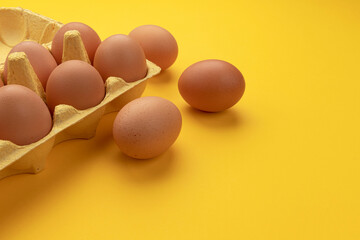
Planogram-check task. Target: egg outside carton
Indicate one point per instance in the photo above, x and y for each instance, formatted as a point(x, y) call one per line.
point(68, 122)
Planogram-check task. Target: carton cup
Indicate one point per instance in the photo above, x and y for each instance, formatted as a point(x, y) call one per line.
point(17, 25)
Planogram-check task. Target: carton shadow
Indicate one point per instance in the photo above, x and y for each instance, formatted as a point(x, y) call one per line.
point(20, 193)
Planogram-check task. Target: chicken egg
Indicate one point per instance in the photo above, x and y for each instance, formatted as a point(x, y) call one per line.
point(159, 45)
point(147, 127)
point(120, 56)
point(211, 85)
point(24, 117)
point(89, 37)
point(75, 83)
point(39, 57)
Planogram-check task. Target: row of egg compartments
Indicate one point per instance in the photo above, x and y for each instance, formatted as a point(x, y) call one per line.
point(22, 73)
point(69, 123)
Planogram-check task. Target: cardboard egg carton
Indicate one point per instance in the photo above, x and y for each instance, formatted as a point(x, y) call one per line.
point(16, 25)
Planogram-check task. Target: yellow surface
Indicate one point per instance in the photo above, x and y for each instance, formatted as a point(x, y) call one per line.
point(282, 164)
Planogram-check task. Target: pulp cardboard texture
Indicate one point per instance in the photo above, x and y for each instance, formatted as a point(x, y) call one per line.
point(22, 73)
point(17, 25)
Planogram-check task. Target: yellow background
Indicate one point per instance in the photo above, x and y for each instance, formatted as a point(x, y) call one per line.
point(282, 164)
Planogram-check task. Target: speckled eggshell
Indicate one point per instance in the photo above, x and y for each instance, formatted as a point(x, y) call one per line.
point(147, 127)
point(24, 117)
point(39, 57)
point(211, 85)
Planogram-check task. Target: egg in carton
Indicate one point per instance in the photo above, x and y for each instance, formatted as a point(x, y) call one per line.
point(17, 25)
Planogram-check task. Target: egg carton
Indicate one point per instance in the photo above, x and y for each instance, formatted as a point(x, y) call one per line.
point(17, 25)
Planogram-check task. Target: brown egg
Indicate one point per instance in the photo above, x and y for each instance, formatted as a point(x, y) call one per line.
point(39, 57)
point(75, 83)
point(147, 127)
point(24, 117)
point(211, 85)
point(120, 56)
point(89, 37)
point(159, 45)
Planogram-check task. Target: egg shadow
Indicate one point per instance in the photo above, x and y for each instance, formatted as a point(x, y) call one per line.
point(137, 170)
point(225, 119)
point(146, 170)
point(165, 76)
